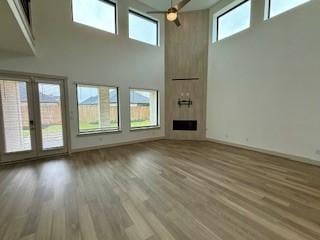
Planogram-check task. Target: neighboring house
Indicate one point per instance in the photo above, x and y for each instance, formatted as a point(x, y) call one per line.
point(136, 98)
point(88, 108)
point(50, 107)
point(44, 98)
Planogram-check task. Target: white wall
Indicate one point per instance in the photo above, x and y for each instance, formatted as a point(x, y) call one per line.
point(87, 55)
point(264, 83)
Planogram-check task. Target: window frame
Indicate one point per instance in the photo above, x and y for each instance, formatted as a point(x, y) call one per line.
point(148, 18)
point(110, 2)
point(102, 131)
point(157, 109)
point(269, 9)
point(226, 12)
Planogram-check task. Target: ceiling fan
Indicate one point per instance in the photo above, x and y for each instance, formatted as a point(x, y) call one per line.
point(172, 13)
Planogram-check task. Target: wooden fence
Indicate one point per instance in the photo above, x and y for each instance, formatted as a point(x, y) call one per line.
point(87, 113)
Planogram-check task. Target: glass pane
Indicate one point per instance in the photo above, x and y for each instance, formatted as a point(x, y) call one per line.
point(234, 21)
point(143, 108)
point(280, 6)
point(95, 13)
point(143, 29)
point(15, 112)
point(97, 108)
point(51, 115)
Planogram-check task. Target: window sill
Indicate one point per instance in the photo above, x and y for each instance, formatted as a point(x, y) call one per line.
point(99, 132)
point(144, 128)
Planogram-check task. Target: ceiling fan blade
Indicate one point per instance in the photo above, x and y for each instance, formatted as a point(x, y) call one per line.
point(157, 12)
point(181, 4)
point(177, 22)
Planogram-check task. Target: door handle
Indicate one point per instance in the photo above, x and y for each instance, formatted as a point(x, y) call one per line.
point(31, 124)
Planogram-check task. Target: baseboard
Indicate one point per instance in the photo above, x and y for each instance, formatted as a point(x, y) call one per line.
point(77, 150)
point(269, 152)
point(35, 159)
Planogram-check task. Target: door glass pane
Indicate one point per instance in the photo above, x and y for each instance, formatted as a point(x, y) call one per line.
point(51, 115)
point(15, 111)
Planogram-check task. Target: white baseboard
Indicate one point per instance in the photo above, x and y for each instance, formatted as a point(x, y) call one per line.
point(116, 144)
point(269, 152)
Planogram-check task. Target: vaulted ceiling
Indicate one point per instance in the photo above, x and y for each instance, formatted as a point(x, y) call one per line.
point(193, 5)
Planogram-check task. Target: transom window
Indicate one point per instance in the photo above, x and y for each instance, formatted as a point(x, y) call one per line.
point(233, 20)
point(100, 14)
point(143, 28)
point(144, 110)
point(98, 108)
point(277, 7)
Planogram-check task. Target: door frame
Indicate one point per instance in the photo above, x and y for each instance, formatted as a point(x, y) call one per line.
point(33, 78)
point(57, 150)
point(13, 156)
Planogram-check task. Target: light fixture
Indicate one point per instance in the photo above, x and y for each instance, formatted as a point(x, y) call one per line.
point(172, 16)
point(172, 12)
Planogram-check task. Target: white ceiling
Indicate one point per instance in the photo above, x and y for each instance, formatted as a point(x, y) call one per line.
point(192, 5)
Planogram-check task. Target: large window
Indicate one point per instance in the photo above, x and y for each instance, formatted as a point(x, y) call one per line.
point(234, 20)
point(143, 28)
point(144, 111)
point(100, 14)
point(277, 7)
point(98, 108)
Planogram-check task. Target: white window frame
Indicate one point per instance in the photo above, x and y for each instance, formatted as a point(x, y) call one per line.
point(158, 110)
point(102, 131)
point(149, 18)
point(222, 12)
point(267, 12)
point(116, 12)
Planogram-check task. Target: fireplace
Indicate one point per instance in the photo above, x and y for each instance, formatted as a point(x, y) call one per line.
point(185, 125)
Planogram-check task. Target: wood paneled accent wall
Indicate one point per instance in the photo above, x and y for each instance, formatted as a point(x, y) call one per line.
point(186, 56)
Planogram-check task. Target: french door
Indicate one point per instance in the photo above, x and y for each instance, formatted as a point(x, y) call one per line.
point(32, 118)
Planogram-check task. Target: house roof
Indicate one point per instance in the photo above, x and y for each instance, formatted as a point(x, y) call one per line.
point(44, 98)
point(138, 98)
point(135, 97)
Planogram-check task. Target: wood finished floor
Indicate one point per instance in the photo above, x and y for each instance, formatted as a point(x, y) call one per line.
point(161, 190)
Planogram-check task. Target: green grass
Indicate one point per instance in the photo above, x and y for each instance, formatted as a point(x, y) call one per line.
point(86, 126)
point(136, 124)
point(46, 130)
point(92, 126)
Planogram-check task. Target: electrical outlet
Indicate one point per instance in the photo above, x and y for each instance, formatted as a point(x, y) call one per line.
point(318, 152)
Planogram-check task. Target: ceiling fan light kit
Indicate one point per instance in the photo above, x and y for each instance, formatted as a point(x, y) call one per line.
point(172, 12)
point(172, 15)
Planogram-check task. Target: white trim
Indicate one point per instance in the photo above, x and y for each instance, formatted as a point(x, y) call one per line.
point(269, 152)
point(22, 21)
point(102, 131)
point(223, 10)
point(77, 150)
point(134, 10)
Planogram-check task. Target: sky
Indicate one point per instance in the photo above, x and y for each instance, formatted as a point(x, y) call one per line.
point(239, 18)
point(101, 15)
point(280, 6)
point(94, 13)
point(85, 92)
point(235, 21)
point(142, 29)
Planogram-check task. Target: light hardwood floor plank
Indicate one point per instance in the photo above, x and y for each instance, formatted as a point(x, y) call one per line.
point(162, 190)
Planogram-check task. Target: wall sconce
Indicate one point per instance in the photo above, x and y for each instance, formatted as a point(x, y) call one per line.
point(184, 100)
